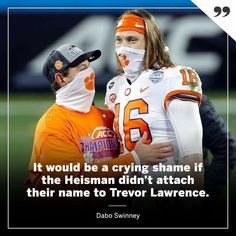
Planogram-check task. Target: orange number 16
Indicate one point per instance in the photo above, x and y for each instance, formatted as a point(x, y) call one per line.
point(189, 77)
point(132, 123)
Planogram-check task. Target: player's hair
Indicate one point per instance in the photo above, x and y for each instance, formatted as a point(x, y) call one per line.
point(156, 55)
point(55, 86)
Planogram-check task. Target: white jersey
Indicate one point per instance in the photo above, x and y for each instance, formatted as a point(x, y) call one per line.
point(142, 105)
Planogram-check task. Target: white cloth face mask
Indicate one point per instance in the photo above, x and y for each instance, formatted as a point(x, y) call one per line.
point(131, 60)
point(79, 93)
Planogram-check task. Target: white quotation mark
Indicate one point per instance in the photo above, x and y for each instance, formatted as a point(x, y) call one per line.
point(218, 10)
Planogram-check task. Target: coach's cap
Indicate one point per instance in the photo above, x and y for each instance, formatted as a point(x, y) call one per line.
point(67, 55)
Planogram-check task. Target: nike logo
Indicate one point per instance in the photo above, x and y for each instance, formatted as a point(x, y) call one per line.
point(139, 26)
point(143, 89)
point(120, 23)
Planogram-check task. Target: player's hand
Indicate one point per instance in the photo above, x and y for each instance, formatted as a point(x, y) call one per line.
point(153, 153)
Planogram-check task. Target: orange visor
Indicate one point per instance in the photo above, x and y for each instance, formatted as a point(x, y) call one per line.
point(131, 22)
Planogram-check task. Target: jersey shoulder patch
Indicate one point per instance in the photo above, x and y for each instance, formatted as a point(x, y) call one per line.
point(156, 76)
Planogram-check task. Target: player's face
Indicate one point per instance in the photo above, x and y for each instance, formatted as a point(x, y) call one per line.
point(130, 39)
point(73, 71)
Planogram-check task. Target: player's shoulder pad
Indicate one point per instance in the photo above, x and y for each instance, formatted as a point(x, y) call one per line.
point(176, 68)
point(182, 72)
point(182, 82)
point(187, 68)
point(190, 71)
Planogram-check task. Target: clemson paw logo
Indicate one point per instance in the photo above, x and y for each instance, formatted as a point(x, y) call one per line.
point(58, 64)
point(89, 81)
point(123, 60)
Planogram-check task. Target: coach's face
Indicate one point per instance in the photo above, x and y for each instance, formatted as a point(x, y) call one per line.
point(72, 73)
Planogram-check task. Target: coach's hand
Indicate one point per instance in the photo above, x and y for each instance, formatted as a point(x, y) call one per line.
point(150, 154)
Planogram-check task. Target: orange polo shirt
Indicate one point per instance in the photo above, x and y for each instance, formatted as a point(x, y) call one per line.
point(64, 136)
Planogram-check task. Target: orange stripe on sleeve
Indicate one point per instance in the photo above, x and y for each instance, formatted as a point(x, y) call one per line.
point(176, 92)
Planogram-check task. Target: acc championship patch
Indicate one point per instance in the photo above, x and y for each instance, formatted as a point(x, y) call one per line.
point(156, 76)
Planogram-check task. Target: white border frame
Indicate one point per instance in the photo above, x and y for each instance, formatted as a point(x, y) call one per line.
point(8, 115)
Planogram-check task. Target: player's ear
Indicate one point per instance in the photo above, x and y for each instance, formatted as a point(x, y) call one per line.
point(59, 79)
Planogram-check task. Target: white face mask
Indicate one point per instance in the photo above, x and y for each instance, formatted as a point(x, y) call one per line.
point(131, 60)
point(79, 93)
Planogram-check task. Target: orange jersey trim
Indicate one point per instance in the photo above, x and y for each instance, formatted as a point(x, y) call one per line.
point(176, 92)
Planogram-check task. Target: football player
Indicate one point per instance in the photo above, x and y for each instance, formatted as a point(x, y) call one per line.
point(152, 94)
